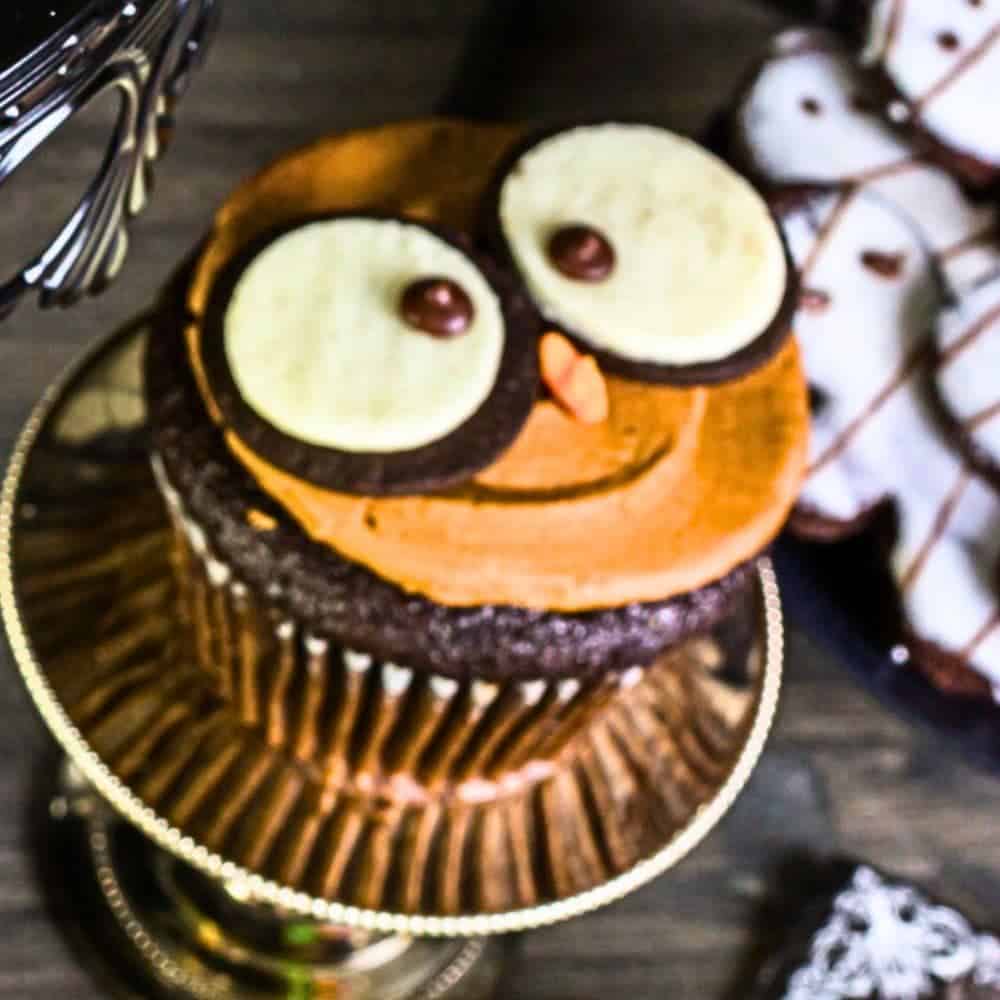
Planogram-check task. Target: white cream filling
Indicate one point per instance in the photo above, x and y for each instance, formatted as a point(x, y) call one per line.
point(317, 346)
point(700, 269)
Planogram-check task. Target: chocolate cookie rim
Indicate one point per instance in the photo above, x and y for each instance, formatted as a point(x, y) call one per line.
point(947, 671)
point(447, 461)
point(743, 361)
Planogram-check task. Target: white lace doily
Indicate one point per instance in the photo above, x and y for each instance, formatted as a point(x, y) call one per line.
point(888, 941)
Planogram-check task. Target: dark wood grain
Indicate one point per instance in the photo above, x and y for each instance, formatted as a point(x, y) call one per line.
point(841, 775)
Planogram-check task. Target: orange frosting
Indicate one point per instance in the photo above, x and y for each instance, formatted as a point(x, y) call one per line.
point(672, 491)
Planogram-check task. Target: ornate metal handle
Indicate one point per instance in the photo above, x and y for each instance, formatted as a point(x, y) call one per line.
point(145, 51)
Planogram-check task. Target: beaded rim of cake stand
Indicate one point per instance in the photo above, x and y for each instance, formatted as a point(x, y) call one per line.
point(265, 891)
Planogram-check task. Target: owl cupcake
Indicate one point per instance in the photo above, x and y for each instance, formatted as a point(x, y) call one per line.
point(461, 431)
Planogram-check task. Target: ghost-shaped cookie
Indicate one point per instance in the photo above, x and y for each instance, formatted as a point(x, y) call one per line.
point(942, 59)
point(870, 293)
point(810, 117)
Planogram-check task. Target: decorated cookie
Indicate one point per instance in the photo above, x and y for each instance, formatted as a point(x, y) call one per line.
point(369, 355)
point(947, 563)
point(968, 375)
point(809, 117)
point(868, 286)
point(649, 251)
point(869, 294)
point(858, 933)
point(942, 58)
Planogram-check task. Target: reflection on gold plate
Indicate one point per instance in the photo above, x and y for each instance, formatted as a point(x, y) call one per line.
point(91, 610)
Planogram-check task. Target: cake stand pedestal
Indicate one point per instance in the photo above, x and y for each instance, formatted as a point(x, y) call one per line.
point(87, 601)
point(162, 928)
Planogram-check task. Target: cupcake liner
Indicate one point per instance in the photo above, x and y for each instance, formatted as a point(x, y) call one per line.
point(347, 779)
point(606, 805)
point(357, 720)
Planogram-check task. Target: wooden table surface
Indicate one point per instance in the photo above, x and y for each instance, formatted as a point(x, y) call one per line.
point(841, 774)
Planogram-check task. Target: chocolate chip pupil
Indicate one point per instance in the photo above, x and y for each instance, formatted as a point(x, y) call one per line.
point(438, 306)
point(582, 253)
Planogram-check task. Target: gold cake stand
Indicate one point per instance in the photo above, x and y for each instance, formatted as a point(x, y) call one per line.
point(86, 598)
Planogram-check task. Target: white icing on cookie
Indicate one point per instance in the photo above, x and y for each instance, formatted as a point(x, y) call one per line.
point(839, 144)
point(700, 270)
point(317, 346)
point(865, 324)
point(968, 370)
point(943, 56)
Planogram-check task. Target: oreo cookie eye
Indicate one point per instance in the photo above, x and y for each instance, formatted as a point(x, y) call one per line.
point(369, 355)
point(646, 249)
